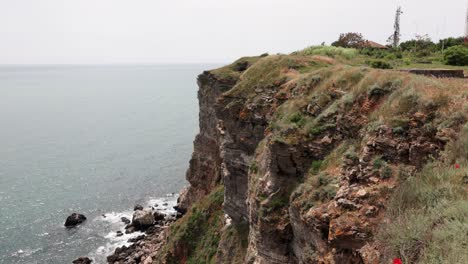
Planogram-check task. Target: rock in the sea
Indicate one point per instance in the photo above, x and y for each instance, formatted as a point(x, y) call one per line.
point(180, 210)
point(142, 219)
point(82, 260)
point(129, 229)
point(119, 233)
point(125, 220)
point(135, 239)
point(178, 215)
point(138, 207)
point(74, 219)
point(159, 216)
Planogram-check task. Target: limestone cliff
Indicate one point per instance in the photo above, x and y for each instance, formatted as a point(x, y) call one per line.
point(312, 157)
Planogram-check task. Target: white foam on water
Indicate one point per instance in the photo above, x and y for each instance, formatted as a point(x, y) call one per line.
point(115, 218)
point(25, 252)
point(112, 240)
point(164, 205)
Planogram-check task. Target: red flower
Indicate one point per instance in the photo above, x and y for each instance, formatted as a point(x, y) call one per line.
point(457, 166)
point(397, 261)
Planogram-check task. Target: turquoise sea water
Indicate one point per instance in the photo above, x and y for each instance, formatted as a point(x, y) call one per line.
point(88, 139)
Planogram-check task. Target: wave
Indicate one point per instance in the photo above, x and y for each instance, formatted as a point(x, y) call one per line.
point(113, 221)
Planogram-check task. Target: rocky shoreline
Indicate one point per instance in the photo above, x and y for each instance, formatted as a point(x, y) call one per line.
point(154, 223)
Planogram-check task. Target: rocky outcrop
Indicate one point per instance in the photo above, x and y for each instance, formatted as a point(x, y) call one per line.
point(74, 220)
point(204, 172)
point(142, 219)
point(309, 154)
point(144, 247)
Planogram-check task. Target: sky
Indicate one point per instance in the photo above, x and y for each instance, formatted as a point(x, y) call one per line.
point(203, 31)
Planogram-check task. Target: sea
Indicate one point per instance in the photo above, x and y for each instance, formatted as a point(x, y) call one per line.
point(94, 140)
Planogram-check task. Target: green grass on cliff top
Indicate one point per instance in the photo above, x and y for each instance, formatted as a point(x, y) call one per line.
point(298, 60)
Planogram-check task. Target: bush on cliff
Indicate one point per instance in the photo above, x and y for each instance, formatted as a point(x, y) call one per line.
point(457, 56)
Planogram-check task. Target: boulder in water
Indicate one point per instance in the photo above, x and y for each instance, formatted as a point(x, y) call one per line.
point(125, 220)
point(142, 219)
point(82, 260)
point(138, 207)
point(74, 219)
point(159, 216)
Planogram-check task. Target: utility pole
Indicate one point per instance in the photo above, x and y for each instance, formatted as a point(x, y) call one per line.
point(394, 39)
point(466, 24)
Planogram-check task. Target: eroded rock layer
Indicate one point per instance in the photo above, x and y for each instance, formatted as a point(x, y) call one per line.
point(310, 153)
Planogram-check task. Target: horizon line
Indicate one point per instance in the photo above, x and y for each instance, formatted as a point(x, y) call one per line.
point(109, 64)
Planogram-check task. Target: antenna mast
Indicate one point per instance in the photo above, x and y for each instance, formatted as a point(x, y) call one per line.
point(466, 25)
point(396, 35)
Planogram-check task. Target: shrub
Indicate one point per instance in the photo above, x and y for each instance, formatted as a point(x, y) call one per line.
point(386, 172)
point(398, 130)
point(449, 42)
point(456, 55)
point(330, 51)
point(316, 130)
point(325, 193)
point(376, 90)
point(350, 40)
point(427, 213)
point(253, 167)
point(390, 56)
point(297, 119)
point(379, 64)
point(351, 154)
point(378, 163)
point(316, 165)
point(422, 44)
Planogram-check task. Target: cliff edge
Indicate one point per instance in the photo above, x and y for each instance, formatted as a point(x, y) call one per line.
point(306, 159)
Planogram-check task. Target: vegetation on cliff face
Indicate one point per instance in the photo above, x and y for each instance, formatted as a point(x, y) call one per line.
point(428, 213)
point(352, 165)
point(195, 237)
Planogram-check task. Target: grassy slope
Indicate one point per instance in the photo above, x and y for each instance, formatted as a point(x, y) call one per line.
point(407, 60)
point(429, 212)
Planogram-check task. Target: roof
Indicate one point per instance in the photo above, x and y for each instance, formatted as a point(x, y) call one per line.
point(372, 44)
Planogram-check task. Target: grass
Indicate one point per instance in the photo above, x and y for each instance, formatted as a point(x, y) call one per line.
point(330, 51)
point(429, 212)
point(235, 241)
point(196, 236)
point(269, 73)
point(320, 185)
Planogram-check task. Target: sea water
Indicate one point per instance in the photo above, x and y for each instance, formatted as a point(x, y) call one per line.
point(89, 139)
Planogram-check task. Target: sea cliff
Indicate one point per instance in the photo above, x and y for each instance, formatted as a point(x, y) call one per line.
point(307, 159)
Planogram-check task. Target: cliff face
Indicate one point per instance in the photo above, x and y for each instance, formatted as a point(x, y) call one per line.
point(311, 154)
point(204, 172)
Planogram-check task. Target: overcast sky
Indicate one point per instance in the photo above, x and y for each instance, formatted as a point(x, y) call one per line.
point(179, 31)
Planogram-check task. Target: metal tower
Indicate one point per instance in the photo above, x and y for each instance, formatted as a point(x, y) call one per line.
point(396, 35)
point(466, 24)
